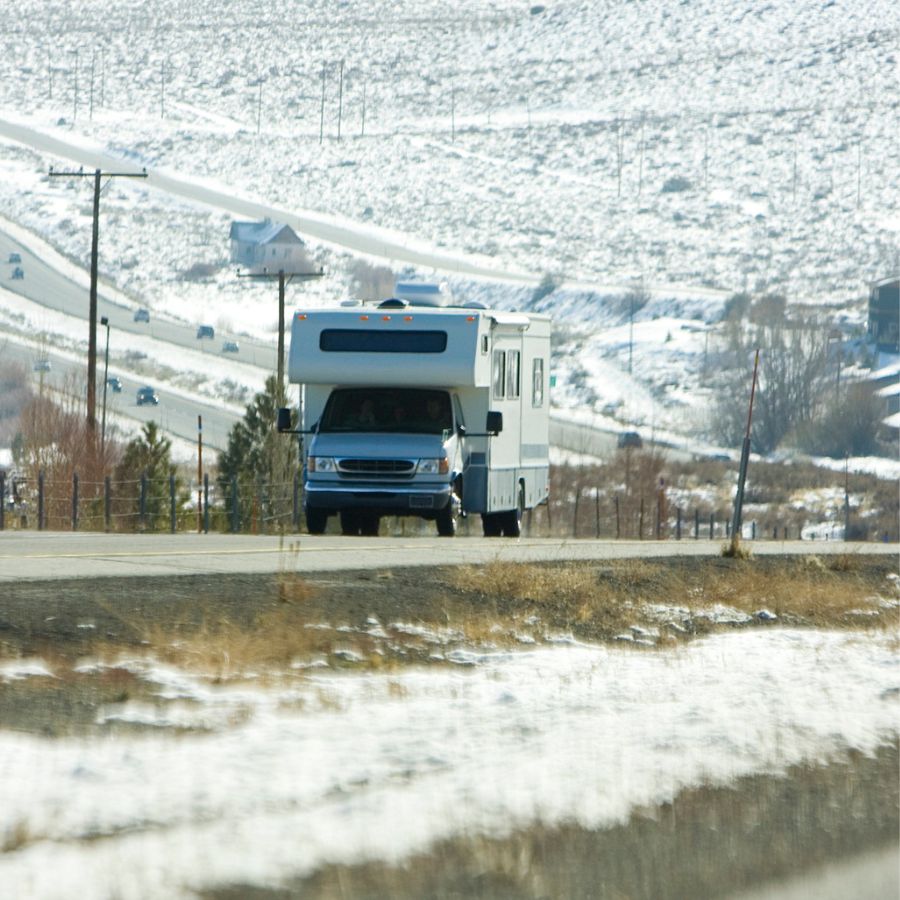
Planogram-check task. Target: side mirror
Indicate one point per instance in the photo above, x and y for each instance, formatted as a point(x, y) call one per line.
point(461, 430)
point(494, 422)
point(283, 422)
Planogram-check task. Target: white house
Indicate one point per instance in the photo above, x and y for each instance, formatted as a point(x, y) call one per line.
point(268, 245)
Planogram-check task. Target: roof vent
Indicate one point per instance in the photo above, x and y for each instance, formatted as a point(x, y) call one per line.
point(423, 294)
point(393, 303)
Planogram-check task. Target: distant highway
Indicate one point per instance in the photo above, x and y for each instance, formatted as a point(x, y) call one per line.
point(176, 414)
point(330, 229)
point(35, 556)
point(49, 287)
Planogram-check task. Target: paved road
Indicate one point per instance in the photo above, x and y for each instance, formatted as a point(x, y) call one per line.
point(31, 555)
point(330, 229)
point(176, 414)
point(46, 285)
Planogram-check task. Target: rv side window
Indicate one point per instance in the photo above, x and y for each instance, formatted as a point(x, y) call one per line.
point(359, 340)
point(537, 382)
point(499, 374)
point(512, 374)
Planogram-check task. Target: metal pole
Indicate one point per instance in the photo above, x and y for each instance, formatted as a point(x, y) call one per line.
point(104, 321)
point(41, 500)
point(234, 505)
point(199, 474)
point(107, 502)
point(74, 501)
point(143, 501)
point(280, 332)
point(2, 500)
point(206, 503)
point(745, 457)
point(92, 326)
point(172, 527)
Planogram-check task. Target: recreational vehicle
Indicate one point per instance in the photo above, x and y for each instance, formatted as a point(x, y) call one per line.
point(421, 410)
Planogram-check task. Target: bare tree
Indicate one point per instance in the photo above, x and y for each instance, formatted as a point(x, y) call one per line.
point(792, 375)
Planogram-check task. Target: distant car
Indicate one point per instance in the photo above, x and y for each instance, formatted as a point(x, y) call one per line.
point(17, 273)
point(147, 395)
point(206, 331)
point(15, 258)
point(41, 365)
point(142, 315)
point(115, 385)
point(630, 440)
point(230, 347)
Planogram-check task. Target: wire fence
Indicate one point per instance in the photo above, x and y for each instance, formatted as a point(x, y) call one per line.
point(148, 504)
point(172, 504)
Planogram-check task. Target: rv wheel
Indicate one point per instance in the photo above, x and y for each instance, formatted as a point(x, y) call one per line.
point(446, 519)
point(350, 522)
point(491, 524)
point(512, 520)
point(369, 524)
point(316, 520)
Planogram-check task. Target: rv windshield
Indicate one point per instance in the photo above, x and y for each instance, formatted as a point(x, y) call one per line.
point(405, 410)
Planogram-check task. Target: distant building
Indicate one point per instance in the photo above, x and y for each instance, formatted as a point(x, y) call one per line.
point(268, 245)
point(884, 315)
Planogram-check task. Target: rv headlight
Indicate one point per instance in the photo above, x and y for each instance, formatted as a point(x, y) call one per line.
point(434, 466)
point(320, 464)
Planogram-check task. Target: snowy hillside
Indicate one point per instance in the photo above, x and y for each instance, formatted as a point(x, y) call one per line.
point(699, 149)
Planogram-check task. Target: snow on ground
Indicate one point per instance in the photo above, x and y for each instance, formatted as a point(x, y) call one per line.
point(332, 767)
point(694, 151)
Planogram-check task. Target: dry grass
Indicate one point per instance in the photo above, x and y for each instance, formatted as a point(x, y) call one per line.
point(839, 592)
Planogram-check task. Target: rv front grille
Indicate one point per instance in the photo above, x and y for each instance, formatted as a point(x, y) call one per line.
point(376, 468)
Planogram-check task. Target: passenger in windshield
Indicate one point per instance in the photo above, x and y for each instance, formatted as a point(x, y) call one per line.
point(437, 415)
point(365, 416)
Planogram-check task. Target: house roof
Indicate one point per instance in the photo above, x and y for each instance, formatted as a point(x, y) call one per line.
point(265, 232)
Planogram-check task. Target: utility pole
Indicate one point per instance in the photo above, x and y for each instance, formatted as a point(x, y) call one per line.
point(630, 328)
point(452, 113)
point(340, 99)
point(362, 128)
point(92, 312)
point(283, 278)
point(322, 108)
point(91, 94)
point(75, 91)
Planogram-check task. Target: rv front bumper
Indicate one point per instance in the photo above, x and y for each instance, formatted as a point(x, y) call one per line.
point(389, 499)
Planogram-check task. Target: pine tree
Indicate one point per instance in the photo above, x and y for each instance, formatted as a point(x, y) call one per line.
point(148, 455)
point(261, 461)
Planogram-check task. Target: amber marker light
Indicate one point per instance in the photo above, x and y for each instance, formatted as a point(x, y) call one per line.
point(364, 318)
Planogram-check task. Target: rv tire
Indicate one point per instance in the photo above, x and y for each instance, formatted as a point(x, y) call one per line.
point(491, 524)
point(369, 524)
point(350, 522)
point(512, 520)
point(316, 521)
point(446, 519)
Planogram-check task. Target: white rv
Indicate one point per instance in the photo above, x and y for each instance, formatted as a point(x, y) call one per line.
point(430, 411)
